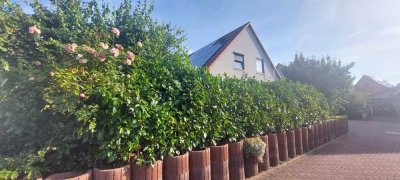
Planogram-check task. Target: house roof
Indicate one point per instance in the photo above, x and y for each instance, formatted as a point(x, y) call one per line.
point(210, 52)
point(280, 68)
point(375, 80)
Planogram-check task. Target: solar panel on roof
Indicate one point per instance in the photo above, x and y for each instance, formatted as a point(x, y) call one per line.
point(206, 53)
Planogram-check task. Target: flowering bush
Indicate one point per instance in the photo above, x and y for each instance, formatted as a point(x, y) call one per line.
point(254, 147)
point(96, 85)
point(34, 52)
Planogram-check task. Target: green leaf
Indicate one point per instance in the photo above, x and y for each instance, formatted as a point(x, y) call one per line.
point(5, 65)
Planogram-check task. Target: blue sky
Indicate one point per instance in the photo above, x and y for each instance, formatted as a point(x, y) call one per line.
point(366, 32)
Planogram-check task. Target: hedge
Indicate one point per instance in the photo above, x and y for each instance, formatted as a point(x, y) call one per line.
point(163, 107)
point(137, 97)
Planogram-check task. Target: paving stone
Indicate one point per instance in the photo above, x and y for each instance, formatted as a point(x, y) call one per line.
point(371, 150)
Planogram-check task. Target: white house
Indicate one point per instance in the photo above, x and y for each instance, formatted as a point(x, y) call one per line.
point(237, 53)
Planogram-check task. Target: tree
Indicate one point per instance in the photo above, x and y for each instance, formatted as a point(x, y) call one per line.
point(328, 75)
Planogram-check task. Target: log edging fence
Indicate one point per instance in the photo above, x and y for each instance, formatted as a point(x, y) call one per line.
point(214, 162)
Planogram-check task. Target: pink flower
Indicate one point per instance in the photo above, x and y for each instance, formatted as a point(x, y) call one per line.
point(79, 56)
point(82, 95)
point(34, 30)
point(130, 55)
point(83, 61)
point(70, 48)
point(139, 44)
point(115, 31)
point(101, 57)
point(31, 78)
point(115, 52)
point(38, 63)
point(52, 74)
point(104, 45)
point(91, 51)
point(127, 62)
point(119, 46)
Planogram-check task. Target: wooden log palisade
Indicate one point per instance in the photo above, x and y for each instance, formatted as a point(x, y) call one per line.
point(223, 162)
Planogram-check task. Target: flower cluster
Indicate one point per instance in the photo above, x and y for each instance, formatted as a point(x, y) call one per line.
point(102, 53)
point(103, 45)
point(70, 48)
point(38, 63)
point(115, 31)
point(115, 51)
point(139, 44)
point(80, 58)
point(34, 30)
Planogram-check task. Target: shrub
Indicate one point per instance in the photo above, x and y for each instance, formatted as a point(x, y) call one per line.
point(297, 105)
point(254, 147)
point(46, 137)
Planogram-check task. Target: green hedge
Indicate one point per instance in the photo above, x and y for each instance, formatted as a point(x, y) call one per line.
point(166, 108)
point(99, 114)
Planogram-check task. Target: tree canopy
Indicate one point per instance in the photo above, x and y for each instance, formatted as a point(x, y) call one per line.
point(328, 75)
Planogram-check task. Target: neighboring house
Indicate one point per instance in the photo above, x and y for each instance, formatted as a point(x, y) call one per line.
point(370, 85)
point(237, 53)
point(387, 101)
point(383, 97)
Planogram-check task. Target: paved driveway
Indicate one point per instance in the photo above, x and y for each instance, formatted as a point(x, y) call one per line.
point(371, 150)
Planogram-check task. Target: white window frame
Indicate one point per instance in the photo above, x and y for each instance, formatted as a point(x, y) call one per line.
point(262, 66)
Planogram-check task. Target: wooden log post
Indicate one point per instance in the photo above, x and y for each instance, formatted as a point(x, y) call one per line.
point(283, 146)
point(298, 141)
point(219, 162)
point(273, 150)
point(147, 172)
point(304, 135)
point(200, 165)
point(176, 168)
point(264, 166)
point(236, 161)
point(291, 145)
point(122, 173)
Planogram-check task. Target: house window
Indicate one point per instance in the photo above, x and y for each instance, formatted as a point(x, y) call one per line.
point(239, 61)
point(260, 65)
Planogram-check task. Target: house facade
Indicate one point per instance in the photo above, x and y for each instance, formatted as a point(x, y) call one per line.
point(237, 53)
